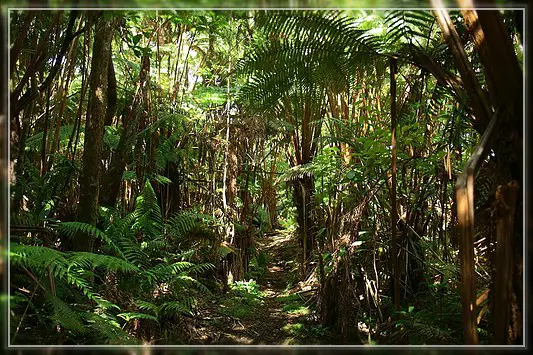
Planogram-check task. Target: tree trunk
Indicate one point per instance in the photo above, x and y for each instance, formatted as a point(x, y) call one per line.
point(130, 120)
point(94, 132)
point(394, 250)
point(303, 194)
point(503, 328)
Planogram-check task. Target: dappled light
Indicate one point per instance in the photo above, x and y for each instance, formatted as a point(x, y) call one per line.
point(248, 177)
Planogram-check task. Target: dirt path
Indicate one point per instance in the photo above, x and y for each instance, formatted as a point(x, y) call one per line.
point(263, 311)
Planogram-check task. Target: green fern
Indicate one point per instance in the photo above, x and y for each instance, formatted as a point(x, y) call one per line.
point(164, 272)
point(148, 217)
point(298, 172)
point(145, 262)
point(89, 261)
point(321, 50)
point(181, 223)
point(65, 315)
point(71, 228)
point(175, 308)
point(136, 315)
point(148, 306)
point(411, 26)
point(109, 328)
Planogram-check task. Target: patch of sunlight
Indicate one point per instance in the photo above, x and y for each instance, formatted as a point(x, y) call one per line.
point(288, 297)
point(296, 309)
point(242, 300)
point(294, 329)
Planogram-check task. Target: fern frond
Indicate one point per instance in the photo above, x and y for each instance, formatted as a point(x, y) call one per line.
point(191, 282)
point(148, 217)
point(109, 328)
point(410, 25)
point(181, 223)
point(175, 307)
point(164, 272)
point(136, 315)
point(39, 258)
point(71, 228)
point(297, 172)
point(65, 315)
point(200, 268)
point(147, 306)
point(122, 233)
point(90, 261)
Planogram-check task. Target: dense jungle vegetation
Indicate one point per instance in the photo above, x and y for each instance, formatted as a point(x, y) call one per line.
point(266, 177)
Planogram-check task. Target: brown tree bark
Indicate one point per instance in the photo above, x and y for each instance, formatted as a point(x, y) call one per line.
point(113, 177)
point(16, 49)
point(481, 110)
point(19, 103)
point(504, 206)
point(111, 92)
point(94, 132)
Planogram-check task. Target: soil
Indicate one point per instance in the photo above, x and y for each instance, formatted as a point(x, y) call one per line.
point(270, 321)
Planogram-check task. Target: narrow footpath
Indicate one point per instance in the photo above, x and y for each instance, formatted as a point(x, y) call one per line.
point(266, 310)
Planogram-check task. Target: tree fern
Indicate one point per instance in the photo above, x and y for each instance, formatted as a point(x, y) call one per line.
point(319, 50)
point(323, 26)
point(298, 172)
point(414, 26)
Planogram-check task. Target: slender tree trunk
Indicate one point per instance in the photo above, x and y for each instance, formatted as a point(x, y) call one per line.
point(15, 51)
point(18, 104)
point(394, 250)
point(62, 96)
point(113, 177)
point(45, 133)
point(74, 137)
point(111, 92)
point(505, 204)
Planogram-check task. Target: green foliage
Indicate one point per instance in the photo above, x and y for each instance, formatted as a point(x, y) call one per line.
point(319, 52)
point(282, 83)
point(438, 322)
point(134, 263)
point(411, 26)
point(148, 217)
point(296, 309)
point(64, 315)
point(300, 330)
point(297, 173)
point(244, 297)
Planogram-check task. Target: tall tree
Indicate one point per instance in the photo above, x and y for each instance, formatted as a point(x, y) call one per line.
point(94, 131)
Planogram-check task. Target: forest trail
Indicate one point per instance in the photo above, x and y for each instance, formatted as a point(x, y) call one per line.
point(262, 311)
